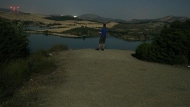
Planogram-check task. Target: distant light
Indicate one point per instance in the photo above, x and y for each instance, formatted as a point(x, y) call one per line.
point(74, 16)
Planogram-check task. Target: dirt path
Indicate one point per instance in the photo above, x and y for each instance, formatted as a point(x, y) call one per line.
point(113, 78)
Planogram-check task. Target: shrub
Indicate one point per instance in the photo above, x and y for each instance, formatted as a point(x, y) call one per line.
point(12, 76)
point(15, 72)
point(58, 48)
point(16, 65)
point(13, 46)
point(171, 47)
point(13, 41)
point(142, 51)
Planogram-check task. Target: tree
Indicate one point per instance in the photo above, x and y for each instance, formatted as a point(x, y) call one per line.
point(13, 41)
point(171, 47)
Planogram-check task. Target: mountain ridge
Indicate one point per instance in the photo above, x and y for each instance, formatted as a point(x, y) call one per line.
point(169, 18)
point(98, 18)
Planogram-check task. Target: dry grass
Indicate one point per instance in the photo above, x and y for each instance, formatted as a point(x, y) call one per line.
point(34, 92)
point(25, 17)
point(57, 29)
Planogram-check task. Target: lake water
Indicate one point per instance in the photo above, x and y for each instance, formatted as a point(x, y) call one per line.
point(40, 41)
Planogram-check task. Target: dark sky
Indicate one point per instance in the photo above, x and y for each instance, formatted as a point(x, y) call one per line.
point(123, 9)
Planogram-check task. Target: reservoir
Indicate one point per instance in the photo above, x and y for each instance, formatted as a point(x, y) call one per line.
point(41, 41)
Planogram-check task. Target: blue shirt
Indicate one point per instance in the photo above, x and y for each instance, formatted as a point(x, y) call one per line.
point(103, 32)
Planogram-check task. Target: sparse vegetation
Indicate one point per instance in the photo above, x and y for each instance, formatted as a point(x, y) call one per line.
point(137, 31)
point(39, 61)
point(16, 64)
point(62, 18)
point(83, 31)
point(117, 33)
point(18, 71)
point(28, 23)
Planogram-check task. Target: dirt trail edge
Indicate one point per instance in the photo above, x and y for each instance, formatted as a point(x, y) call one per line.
point(113, 78)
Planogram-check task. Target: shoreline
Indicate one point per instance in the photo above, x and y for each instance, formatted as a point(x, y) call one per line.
point(60, 35)
point(54, 34)
point(75, 36)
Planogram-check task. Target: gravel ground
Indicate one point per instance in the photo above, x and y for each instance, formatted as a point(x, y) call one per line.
point(113, 78)
point(110, 78)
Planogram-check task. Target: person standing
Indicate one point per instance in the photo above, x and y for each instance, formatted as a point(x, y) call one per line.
point(103, 33)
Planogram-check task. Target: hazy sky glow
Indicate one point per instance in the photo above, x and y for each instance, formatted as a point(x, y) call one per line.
point(123, 9)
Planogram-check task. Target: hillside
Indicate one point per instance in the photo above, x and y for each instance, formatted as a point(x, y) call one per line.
point(89, 25)
point(172, 18)
point(164, 19)
point(55, 25)
point(68, 26)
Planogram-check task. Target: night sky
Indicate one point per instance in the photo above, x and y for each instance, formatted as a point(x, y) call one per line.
point(122, 9)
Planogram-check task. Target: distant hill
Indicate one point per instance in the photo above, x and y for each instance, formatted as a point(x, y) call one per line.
point(98, 18)
point(164, 19)
point(102, 19)
point(62, 18)
point(172, 18)
point(94, 17)
point(90, 16)
point(4, 10)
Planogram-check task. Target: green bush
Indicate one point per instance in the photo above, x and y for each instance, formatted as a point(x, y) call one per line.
point(13, 41)
point(13, 46)
point(171, 47)
point(142, 51)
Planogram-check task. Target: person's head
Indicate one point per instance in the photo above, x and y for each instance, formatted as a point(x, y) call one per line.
point(104, 25)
